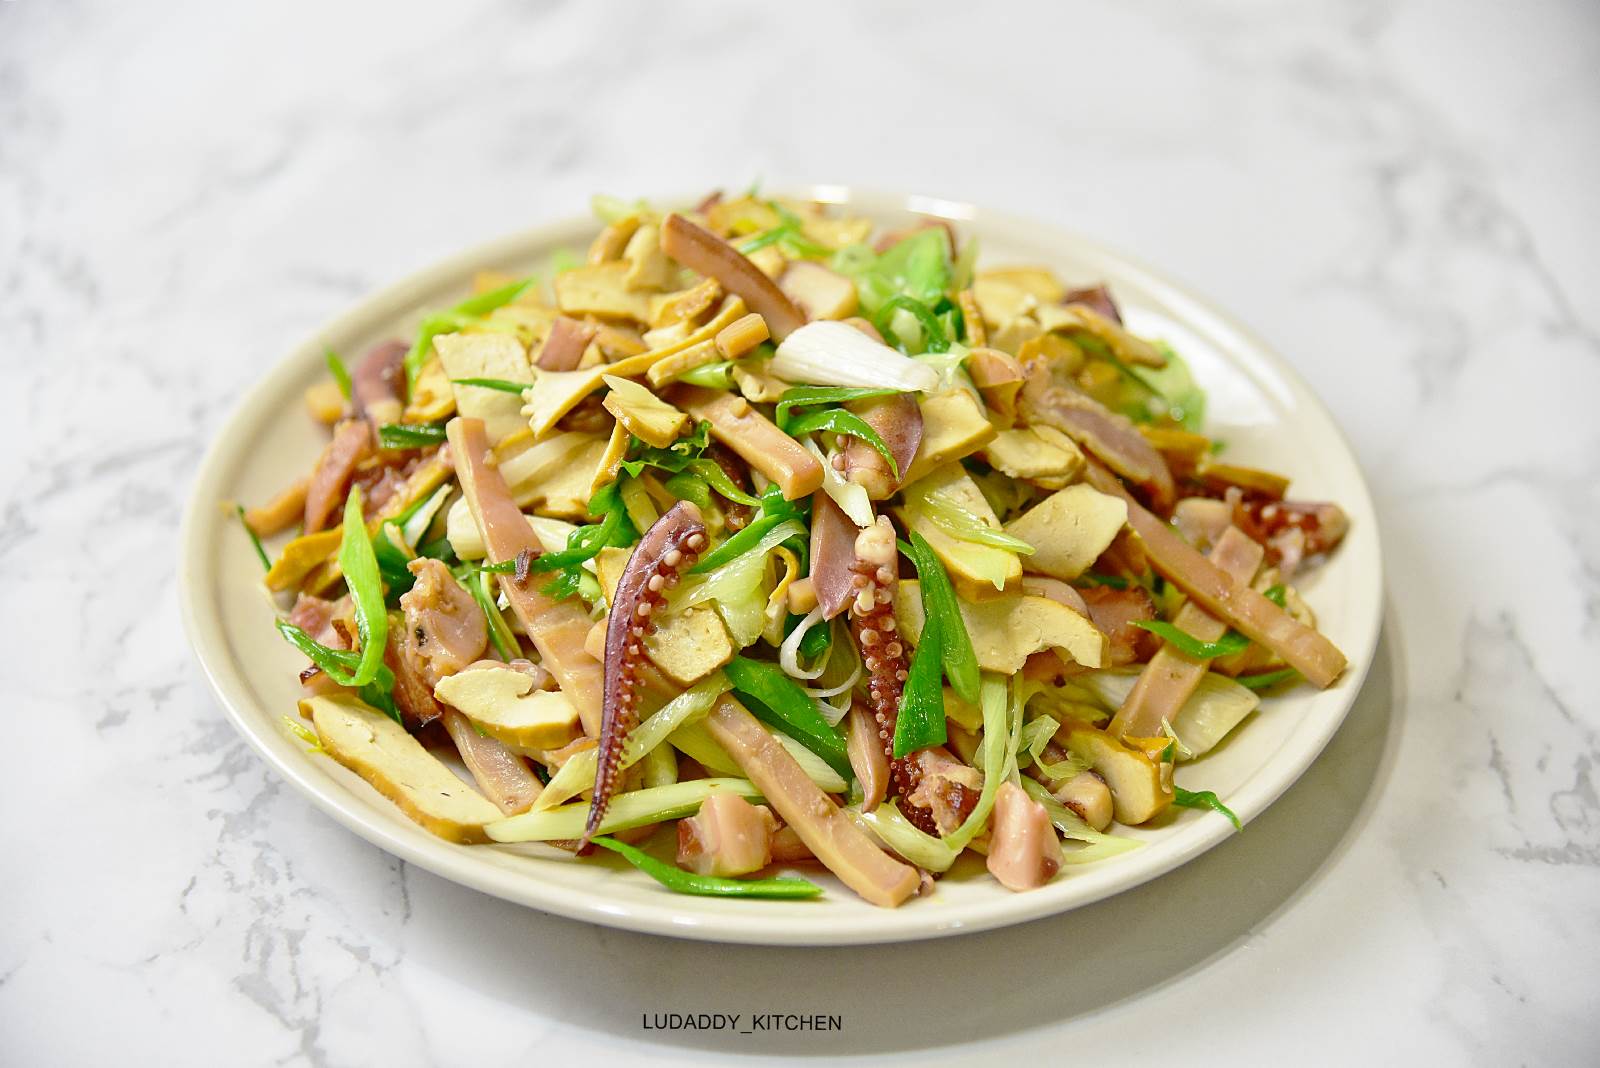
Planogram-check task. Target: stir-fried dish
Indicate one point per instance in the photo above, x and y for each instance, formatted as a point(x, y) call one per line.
point(804, 543)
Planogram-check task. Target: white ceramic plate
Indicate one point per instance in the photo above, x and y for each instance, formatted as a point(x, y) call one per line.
point(1258, 405)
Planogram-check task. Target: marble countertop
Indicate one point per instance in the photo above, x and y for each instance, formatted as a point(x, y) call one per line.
point(1398, 195)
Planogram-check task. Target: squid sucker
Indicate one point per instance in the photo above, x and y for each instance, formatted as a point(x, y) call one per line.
point(671, 545)
point(874, 575)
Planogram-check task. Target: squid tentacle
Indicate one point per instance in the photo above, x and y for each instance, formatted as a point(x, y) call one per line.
point(671, 545)
point(874, 574)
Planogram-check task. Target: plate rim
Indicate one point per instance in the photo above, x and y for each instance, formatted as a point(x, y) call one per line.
point(201, 611)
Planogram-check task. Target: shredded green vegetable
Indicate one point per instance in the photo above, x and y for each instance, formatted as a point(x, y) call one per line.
point(804, 396)
point(481, 586)
point(774, 510)
point(1204, 799)
point(683, 882)
point(499, 384)
point(360, 568)
point(255, 540)
point(410, 435)
point(1230, 643)
point(934, 337)
point(1267, 679)
point(340, 373)
point(1278, 595)
point(339, 664)
point(939, 603)
point(842, 421)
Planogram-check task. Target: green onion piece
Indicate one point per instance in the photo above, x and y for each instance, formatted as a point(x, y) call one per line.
point(800, 396)
point(688, 486)
point(563, 260)
point(1230, 643)
point(762, 240)
point(481, 586)
point(340, 373)
point(740, 543)
point(934, 338)
point(778, 700)
point(921, 719)
point(842, 421)
point(715, 477)
point(1266, 680)
point(484, 303)
point(964, 525)
point(683, 882)
point(1278, 595)
point(304, 733)
point(410, 435)
point(338, 665)
point(500, 384)
point(709, 375)
point(393, 554)
point(360, 568)
point(504, 567)
point(261, 551)
point(1095, 578)
point(1204, 799)
point(636, 808)
point(417, 355)
point(939, 602)
point(817, 640)
point(610, 209)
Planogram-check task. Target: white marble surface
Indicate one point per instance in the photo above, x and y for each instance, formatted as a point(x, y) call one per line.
point(1399, 195)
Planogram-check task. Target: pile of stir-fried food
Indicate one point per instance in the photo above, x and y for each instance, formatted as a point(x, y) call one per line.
point(811, 544)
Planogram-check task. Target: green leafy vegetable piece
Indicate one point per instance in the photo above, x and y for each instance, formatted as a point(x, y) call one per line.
point(1267, 679)
point(939, 603)
point(500, 384)
point(842, 421)
point(255, 540)
point(682, 882)
point(684, 455)
point(778, 700)
point(1278, 595)
point(360, 568)
point(1204, 799)
point(340, 373)
point(1230, 643)
point(410, 435)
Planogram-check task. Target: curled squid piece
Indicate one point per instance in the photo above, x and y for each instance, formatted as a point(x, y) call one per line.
point(669, 548)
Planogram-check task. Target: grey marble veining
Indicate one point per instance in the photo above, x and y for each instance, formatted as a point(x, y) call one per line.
point(1398, 195)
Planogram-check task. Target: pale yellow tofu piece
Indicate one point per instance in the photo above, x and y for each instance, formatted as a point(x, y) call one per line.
point(504, 704)
point(381, 751)
point(486, 355)
point(1069, 530)
point(1006, 630)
